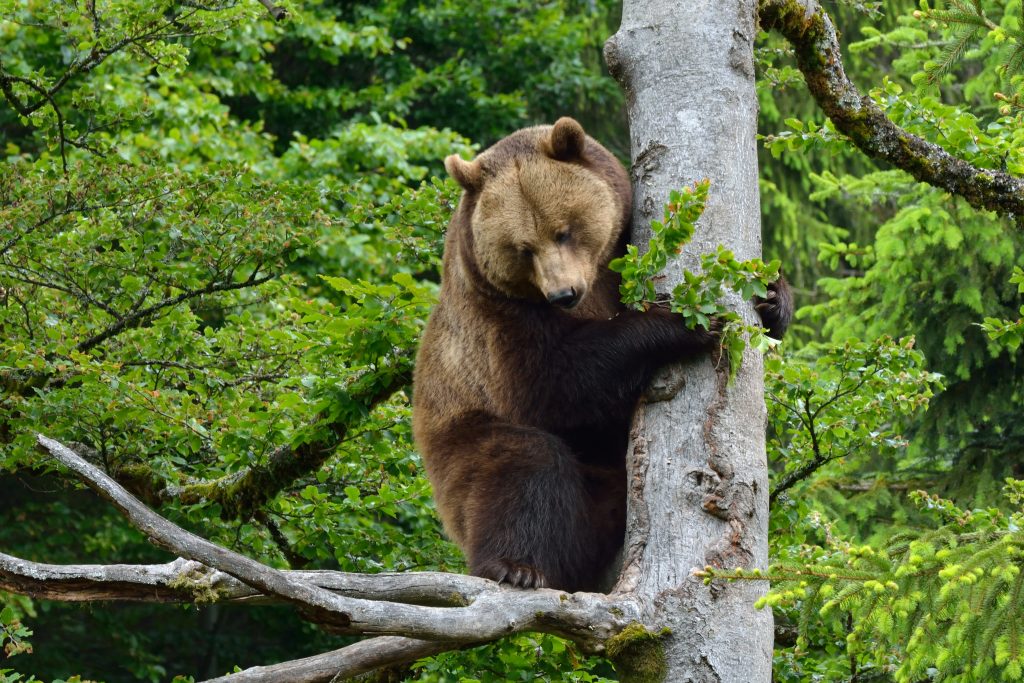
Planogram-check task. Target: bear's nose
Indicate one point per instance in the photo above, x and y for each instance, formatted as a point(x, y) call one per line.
point(566, 298)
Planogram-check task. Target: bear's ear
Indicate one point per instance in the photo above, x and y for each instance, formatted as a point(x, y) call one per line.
point(466, 173)
point(567, 139)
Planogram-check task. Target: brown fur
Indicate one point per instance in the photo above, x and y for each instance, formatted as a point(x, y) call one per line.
point(522, 407)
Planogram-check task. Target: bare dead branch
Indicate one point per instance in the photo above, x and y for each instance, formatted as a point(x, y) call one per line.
point(338, 665)
point(813, 36)
point(184, 581)
point(586, 618)
point(181, 581)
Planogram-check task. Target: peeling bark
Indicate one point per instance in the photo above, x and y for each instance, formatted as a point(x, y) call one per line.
point(698, 486)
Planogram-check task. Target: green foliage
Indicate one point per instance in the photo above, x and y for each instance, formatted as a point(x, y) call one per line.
point(971, 22)
point(1009, 332)
point(481, 69)
point(699, 297)
point(14, 634)
point(221, 238)
point(900, 259)
point(947, 599)
point(221, 235)
point(527, 657)
point(842, 404)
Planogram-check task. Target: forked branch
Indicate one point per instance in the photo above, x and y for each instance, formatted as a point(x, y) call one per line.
point(184, 581)
point(434, 611)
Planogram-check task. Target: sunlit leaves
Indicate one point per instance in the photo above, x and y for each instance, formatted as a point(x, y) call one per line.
point(699, 297)
point(845, 402)
point(1008, 332)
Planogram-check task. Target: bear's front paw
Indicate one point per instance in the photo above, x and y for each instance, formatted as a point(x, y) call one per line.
point(516, 574)
point(711, 336)
point(776, 309)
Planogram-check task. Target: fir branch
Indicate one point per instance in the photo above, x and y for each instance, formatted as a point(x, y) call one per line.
point(962, 16)
point(947, 599)
point(951, 54)
point(1014, 62)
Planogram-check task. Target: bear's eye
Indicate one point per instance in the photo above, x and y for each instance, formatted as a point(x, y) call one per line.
point(562, 237)
point(524, 251)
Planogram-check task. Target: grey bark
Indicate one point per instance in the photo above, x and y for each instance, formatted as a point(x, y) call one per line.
point(440, 612)
point(699, 485)
point(697, 461)
point(340, 665)
point(185, 581)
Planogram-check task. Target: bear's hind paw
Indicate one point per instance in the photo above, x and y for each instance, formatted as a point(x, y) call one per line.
point(516, 574)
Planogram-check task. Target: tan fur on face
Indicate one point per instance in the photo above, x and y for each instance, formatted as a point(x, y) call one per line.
point(520, 220)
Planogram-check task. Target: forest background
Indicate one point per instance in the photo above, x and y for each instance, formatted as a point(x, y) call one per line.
point(220, 236)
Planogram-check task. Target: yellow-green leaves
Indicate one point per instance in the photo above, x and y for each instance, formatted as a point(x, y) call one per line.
point(699, 298)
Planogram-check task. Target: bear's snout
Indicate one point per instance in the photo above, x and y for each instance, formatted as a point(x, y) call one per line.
point(564, 298)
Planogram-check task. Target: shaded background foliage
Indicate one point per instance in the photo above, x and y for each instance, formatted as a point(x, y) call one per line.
point(220, 237)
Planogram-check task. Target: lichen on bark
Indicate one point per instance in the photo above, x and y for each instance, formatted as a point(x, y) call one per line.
point(197, 581)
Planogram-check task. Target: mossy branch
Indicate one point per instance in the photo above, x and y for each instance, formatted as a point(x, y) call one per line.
point(810, 31)
point(243, 494)
point(638, 654)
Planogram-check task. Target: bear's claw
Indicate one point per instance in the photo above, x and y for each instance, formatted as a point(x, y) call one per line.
point(516, 574)
point(776, 308)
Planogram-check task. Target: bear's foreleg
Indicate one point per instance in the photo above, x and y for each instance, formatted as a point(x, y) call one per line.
point(598, 369)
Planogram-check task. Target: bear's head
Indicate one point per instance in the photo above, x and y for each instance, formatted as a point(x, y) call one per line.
point(548, 207)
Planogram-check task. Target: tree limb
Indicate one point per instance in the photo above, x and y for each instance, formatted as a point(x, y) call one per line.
point(338, 665)
point(241, 495)
point(47, 97)
point(138, 317)
point(184, 580)
point(813, 36)
point(587, 618)
point(278, 13)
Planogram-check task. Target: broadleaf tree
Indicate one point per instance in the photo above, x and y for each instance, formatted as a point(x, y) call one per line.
point(219, 239)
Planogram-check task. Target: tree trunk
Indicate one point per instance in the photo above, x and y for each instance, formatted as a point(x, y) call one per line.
point(699, 484)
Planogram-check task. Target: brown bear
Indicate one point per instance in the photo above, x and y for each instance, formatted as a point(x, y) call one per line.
point(530, 367)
